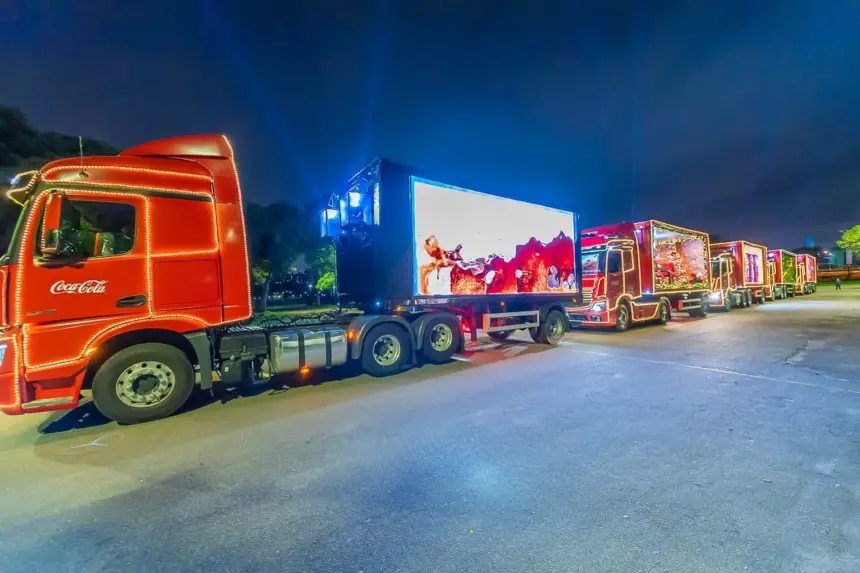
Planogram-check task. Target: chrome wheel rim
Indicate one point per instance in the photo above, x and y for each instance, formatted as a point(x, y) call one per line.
point(145, 384)
point(664, 312)
point(556, 329)
point(441, 337)
point(622, 316)
point(386, 350)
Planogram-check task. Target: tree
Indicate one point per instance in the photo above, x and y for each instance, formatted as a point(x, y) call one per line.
point(25, 148)
point(326, 282)
point(850, 240)
point(276, 241)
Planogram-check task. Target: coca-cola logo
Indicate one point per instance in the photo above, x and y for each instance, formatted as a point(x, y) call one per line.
point(86, 287)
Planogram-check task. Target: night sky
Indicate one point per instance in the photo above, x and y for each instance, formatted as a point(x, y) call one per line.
point(738, 118)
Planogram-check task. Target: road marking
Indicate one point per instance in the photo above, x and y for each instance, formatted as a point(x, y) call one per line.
point(708, 369)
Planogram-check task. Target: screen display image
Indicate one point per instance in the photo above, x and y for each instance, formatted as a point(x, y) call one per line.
point(680, 260)
point(470, 243)
point(591, 264)
point(754, 258)
point(789, 268)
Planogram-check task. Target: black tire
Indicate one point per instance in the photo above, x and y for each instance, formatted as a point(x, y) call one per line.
point(143, 364)
point(537, 335)
point(622, 317)
point(397, 338)
point(664, 312)
point(728, 303)
point(553, 327)
point(500, 335)
point(441, 339)
point(702, 311)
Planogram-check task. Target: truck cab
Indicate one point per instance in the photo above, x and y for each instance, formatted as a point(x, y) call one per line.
point(144, 249)
point(724, 293)
point(612, 282)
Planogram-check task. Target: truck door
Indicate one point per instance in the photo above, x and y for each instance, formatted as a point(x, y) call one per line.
point(96, 279)
point(614, 277)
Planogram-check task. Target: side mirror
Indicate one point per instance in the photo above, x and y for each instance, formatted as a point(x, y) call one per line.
point(49, 240)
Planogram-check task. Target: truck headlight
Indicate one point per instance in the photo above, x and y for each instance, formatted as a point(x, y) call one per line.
point(598, 306)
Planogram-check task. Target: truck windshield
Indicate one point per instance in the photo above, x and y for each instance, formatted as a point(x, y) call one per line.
point(593, 263)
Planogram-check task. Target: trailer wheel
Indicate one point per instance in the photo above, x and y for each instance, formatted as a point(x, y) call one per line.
point(441, 339)
point(622, 317)
point(664, 313)
point(142, 383)
point(553, 327)
point(385, 350)
point(537, 335)
point(747, 298)
point(702, 311)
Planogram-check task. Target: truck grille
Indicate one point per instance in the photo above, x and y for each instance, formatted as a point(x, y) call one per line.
point(587, 295)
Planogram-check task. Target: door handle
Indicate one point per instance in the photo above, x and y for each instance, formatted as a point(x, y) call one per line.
point(131, 301)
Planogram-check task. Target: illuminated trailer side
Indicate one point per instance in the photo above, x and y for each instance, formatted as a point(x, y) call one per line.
point(411, 249)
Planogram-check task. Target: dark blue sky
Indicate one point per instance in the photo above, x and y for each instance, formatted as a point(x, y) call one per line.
point(739, 118)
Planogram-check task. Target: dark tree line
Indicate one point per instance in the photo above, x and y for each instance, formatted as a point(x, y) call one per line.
point(279, 234)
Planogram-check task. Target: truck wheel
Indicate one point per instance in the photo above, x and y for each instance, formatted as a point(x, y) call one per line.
point(500, 335)
point(622, 317)
point(537, 335)
point(553, 327)
point(142, 383)
point(441, 339)
point(386, 350)
point(728, 302)
point(747, 299)
point(702, 311)
point(664, 313)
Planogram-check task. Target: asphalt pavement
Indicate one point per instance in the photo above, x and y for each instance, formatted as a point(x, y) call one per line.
point(717, 445)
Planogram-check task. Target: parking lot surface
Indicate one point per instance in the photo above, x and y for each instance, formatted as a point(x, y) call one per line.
point(716, 445)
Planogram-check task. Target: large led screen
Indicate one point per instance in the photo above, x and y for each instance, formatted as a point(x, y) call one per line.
point(470, 243)
point(680, 260)
point(789, 267)
point(754, 261)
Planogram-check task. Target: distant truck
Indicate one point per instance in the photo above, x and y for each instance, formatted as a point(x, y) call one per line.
point(807, 274)
point(642, 272)
point(738, 274)
point(785, 272)
point(130, 274)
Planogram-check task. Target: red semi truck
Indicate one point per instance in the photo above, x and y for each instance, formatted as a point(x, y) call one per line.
point(807, 274)
point(784, 272)
point(642, 272)
point(738, 274)
point(130, 274)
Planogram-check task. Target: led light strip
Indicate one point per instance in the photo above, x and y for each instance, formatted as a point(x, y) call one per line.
point(166, 172)
point(15, 372)
point(244, 234)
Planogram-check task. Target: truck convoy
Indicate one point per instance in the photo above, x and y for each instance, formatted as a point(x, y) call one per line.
point(807, 274)
point(642, 272)
point(130, 274)
point(738, 274)
point(785, 272)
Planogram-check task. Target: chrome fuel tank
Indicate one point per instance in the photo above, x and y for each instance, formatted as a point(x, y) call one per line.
point(314, 347)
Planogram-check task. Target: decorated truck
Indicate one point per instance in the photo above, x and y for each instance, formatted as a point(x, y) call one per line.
point(130, 275)
point(642, 272)
point(785, 272)
point(807, 274)
point(738, 274)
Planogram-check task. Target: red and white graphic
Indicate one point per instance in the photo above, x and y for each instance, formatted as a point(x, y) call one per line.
point(86, 287)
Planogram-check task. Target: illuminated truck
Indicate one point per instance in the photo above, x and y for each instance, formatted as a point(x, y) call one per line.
point(738, 274)
point(785, 272)
point(130, 275)
point(642, 272)
point(807, 274)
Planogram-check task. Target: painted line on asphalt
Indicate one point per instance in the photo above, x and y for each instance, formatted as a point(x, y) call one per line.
point(715, 370)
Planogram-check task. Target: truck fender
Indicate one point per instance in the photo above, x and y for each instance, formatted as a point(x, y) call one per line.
point(419, 325)
point(202, 346)
point(361, 325)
